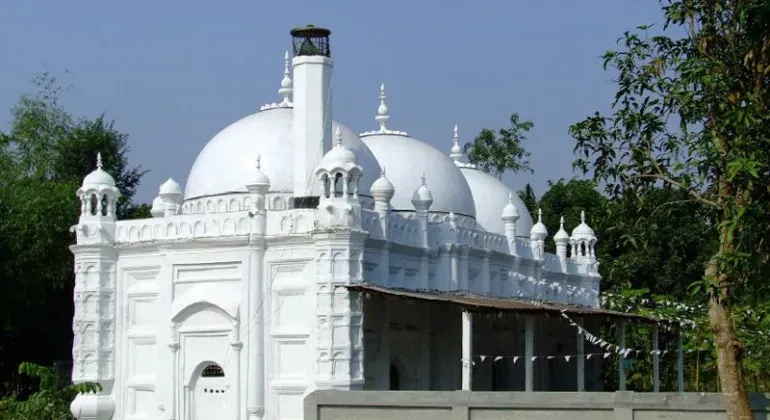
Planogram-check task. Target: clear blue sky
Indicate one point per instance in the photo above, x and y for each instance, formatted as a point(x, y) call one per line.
point(173, 73)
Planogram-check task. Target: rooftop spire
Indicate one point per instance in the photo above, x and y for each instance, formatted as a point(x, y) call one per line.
point(259, 161)
point(338, 137)
point(423, 179)
point(99, 160)
point(457, 151)
point(582, 216)
point(286, 86)
point(382, 111)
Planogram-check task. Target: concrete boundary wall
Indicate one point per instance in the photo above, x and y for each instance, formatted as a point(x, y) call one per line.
point(464, 405)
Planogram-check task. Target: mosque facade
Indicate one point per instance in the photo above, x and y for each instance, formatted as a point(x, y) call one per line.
point(304, 256)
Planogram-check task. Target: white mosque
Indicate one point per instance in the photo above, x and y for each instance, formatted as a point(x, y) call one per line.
point(303, 256)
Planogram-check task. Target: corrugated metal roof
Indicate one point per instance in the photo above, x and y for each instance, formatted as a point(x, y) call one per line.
point(485, 303)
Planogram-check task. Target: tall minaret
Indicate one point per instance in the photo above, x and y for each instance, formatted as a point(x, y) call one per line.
point(312, 109)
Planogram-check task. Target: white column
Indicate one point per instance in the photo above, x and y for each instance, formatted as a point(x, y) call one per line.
point(174, 398)
point(529, 352)
point(655, 359)
point(621, 356)
point(467, 362)
point(581, 361)
point(679, 361)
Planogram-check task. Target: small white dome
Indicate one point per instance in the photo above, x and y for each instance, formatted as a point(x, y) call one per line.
point(561, 236)
point(539, 231)
point(99, 176)
point(339, 154)
point(226, 163)
point(422, 197)
point(510, 212)
point(259, 178)
point(491, 196)
point(583, 231)
point(382, 189)
point(170, 187)
point(157, 207)
point(406, 158)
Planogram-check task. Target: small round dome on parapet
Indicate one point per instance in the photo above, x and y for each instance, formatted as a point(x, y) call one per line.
point(539, 231)
point(561, 236)
point(259, 178)
point(339, 154)
point(583, 231)
point(510, 212)
point(170, 187)
point(99, 176)
point(157, 207)
point(422, 197)
point(382, 189)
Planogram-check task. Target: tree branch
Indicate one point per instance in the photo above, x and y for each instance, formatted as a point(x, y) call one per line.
point(699, 198)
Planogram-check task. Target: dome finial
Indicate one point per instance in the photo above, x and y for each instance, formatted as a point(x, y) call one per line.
point(382, 172)
point(338, 137)
point(286, 83)
point(98, 160)
point(382, 111)
point(259, 161)
point(561, 223)
point(582, 216)
point(457, 151)
point(539, 215)
point(423, 179)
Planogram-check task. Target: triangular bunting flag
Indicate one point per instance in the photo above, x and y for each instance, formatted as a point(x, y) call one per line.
point(566, 358)
point(482, 358)
point(498, 358)
point(515, 359)
point(606, 355)
point(588, 356)
point(533, 358)
point(550, 357)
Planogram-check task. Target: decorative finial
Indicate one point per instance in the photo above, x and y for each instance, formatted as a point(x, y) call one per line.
point(539, 215)
point(338, 137)
point(457, 151)
point(382, 172)
point(259, 162)
point(99, 160)
point(510, 197)
point(382, 111)
point(561, 223)
point(582, 216)
point(423, 179)
point(286, 89)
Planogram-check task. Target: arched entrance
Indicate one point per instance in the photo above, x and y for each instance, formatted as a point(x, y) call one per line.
point(210, 393)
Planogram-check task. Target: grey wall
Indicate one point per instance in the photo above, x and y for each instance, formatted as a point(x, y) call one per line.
point(462, 405)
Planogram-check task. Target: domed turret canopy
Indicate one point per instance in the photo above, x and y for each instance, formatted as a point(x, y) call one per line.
point(583, 232)
point(98, 177)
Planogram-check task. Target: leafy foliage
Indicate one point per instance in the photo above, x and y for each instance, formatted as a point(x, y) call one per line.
point(691, 113)
point(50, 402)
point(43, 158)
point(502, 151)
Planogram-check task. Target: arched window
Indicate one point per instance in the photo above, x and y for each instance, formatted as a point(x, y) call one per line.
point(212, 371)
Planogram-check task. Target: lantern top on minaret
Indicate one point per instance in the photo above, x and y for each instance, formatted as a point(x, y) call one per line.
point(311, 40)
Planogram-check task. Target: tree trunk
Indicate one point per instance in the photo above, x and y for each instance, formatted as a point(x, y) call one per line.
point(729, 353)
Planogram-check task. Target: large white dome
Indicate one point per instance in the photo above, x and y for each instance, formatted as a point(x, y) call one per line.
point(491, 195)
point(405, 160)
point(228, 161)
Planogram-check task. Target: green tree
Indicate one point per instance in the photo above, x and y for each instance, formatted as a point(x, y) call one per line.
point(529, 198)
point(691, 113)
point(51, 400)
point(43, 158)
point(498, 152)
